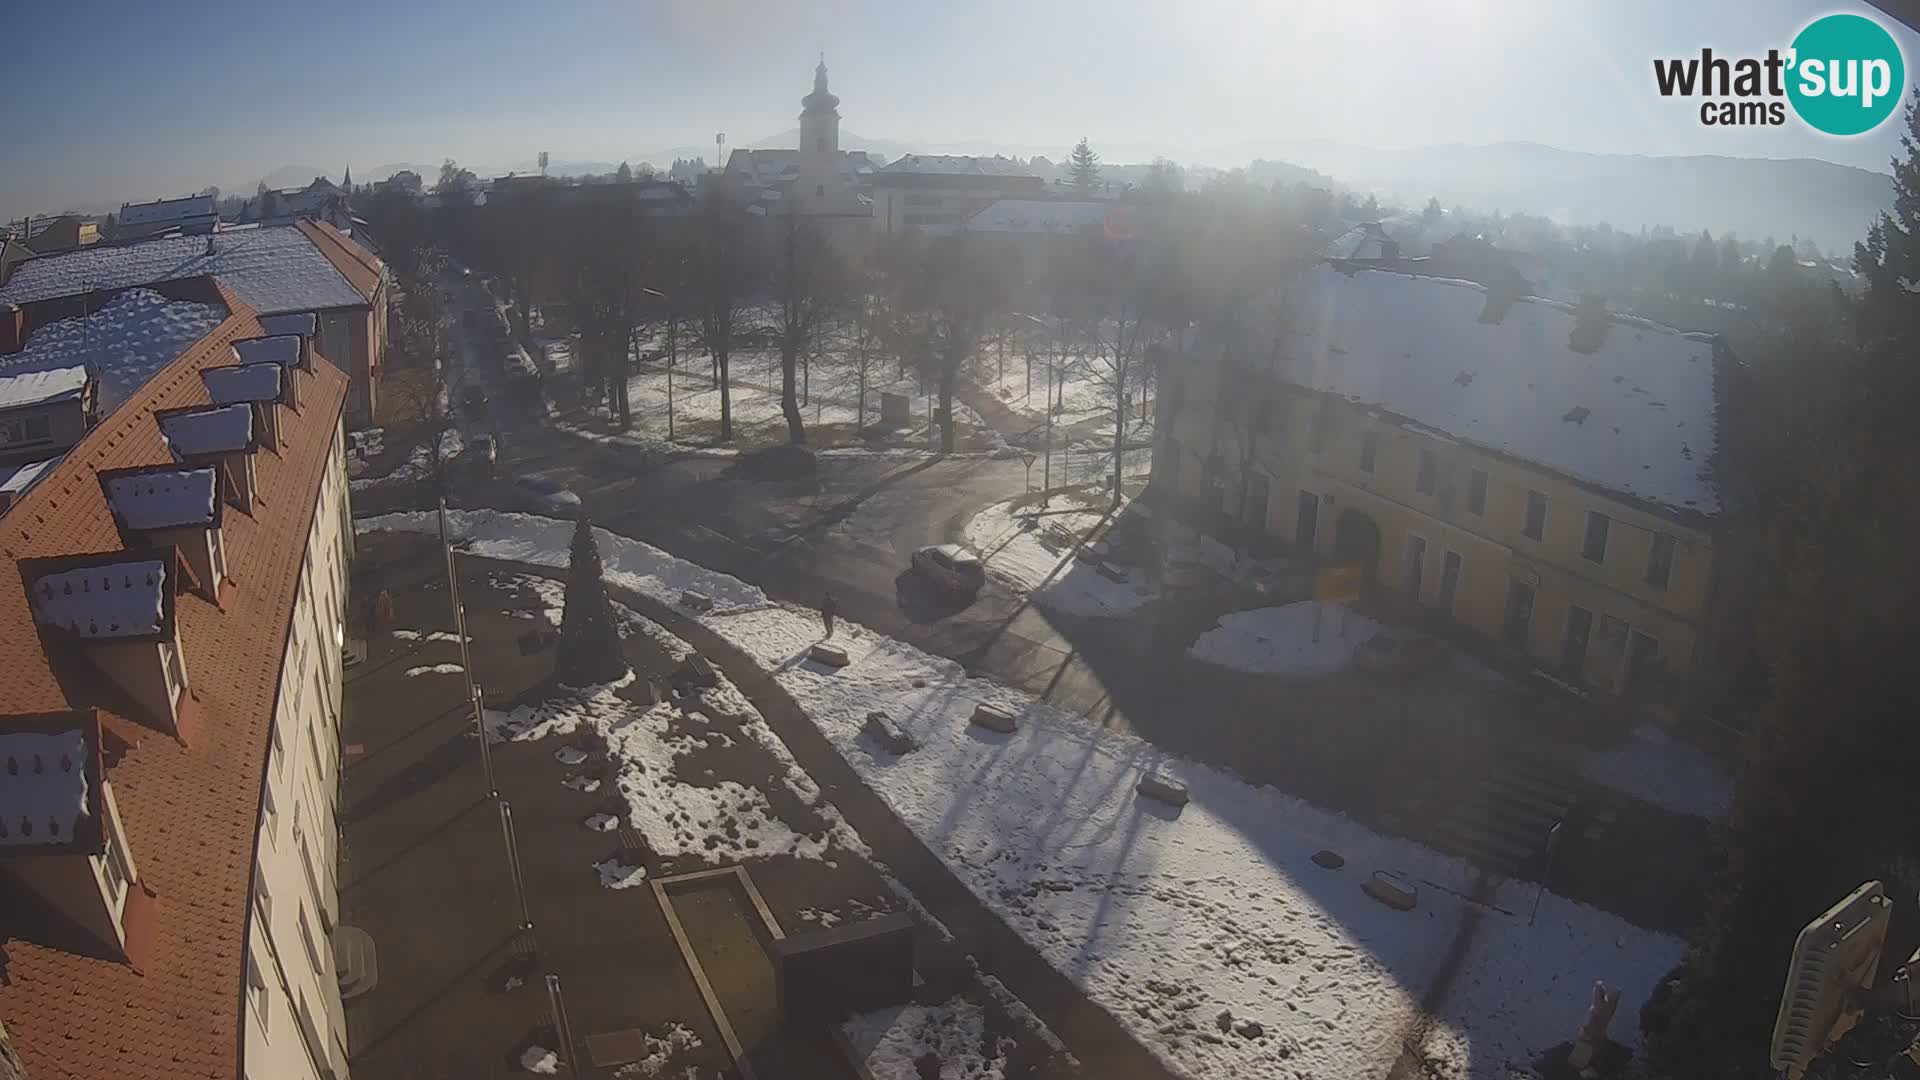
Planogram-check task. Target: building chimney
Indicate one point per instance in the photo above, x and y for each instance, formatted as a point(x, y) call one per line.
point(13, 328)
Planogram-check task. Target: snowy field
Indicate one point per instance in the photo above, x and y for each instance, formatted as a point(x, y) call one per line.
point(1664, 772)
point(1010, 542)
point(1305, 638)
point(1207, 930)
point(1082, 388)
point(417, 467)
point(890, 1043)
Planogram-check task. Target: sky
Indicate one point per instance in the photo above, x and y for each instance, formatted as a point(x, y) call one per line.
point(159, 99)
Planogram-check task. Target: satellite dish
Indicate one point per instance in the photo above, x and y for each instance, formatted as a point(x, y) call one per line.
point(1835, 960)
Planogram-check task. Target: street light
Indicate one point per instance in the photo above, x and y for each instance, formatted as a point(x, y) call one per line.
point(673, 351)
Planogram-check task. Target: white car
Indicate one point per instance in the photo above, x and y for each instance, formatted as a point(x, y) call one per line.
point(951, 567)
point(548, 496)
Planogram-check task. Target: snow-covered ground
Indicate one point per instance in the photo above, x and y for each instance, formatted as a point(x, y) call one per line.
point(1010, 542)
point(1083, 390)
point(1664, 772)
point(889, 1043)
point(1282, 640)
point(1167, 918)
point(417, 467)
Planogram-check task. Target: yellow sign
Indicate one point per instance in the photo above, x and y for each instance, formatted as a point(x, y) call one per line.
point(1337, 584)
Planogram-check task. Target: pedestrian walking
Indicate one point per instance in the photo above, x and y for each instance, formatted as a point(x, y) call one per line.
point(829, 607)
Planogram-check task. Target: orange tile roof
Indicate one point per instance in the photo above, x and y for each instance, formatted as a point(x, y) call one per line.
point(360, 267)
point(190, 811)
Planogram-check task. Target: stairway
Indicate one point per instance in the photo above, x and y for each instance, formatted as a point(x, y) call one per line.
point(1501, 822)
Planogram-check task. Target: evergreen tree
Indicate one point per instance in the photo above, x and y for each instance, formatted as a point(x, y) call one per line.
point(589, 647)
point(624, 173)
point(1084, 167)
point(1889, 258)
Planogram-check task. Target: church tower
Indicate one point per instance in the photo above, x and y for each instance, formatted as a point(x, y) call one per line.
point(822, 185)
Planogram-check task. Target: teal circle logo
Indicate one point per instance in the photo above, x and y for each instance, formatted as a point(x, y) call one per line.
point(1846, 74)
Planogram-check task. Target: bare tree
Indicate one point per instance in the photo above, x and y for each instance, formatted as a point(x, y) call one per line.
point(607, 262)
point(422, 405)
point(810, 287)
point(864, 315)
point(958, 288)
point(721, 283)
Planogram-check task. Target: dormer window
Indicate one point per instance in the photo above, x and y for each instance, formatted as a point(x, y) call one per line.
point(168, 505)
point(261, 386)
point(215, 434)
point(117, 610)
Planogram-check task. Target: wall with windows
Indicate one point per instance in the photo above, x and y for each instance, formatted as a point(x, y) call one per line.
point(295, 1024)
point(38, 433)
point(1591, 587)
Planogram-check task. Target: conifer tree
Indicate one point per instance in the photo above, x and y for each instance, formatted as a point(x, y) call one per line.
point(589, 647)
point(1084, 166)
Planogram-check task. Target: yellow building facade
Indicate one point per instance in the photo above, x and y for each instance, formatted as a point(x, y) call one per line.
point(1600, 589)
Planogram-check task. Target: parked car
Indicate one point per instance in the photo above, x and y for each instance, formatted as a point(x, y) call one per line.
point(484, 452)
point(545, 495)
point(951, 567)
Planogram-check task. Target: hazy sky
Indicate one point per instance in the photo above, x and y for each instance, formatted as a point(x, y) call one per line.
point(151, 98)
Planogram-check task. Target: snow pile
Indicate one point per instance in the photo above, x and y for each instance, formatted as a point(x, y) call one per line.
point(1668, 774)
point(1280, 640)
point(602, 823)
point(52, 793)
point(435, 669)
point(660, 1050)
point(1009, 542)
point(889, 1043)
point(539, 1059)
point(542, 541)
point(417, 467)
point(407, 635)
point(121, 599)
point(616, 875)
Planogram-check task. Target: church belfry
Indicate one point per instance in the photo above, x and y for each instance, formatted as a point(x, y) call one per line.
point(820, 116)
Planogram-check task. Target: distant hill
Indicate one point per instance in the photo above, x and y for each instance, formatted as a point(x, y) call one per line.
point(1754, 197)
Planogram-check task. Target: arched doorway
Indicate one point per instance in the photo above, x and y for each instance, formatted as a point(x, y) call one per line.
point(1356, 539)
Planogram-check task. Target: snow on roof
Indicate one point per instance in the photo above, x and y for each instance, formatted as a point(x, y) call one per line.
point(45, 792)
point(16, 479)
point(246, 382)
point(957, 165)
point(189, 206)
point(123, 344)
point(297, 322)
point(208, 431)
point(282, 349)
point(41, 387)
point(164, 498)
point(1367, 241)
point(120, 599)
point(1038, 216)
point(274, 269)
point(1637, 415)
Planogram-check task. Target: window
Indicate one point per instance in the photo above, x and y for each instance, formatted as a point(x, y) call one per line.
point(1536, 525)
point(1519, 619)
point(1449, 581)
point(26, 430)
point(257, 990)
point(1660, 560)
point(1477, 493)
point(1369, 447)
point(306, 938)
point(819, 189)
point(171, 670)
point(1643, 661)
point(261, 896)
point(1429, 469)
point(820, 144)
point(1573, 656)
point(1416, 564)
point(1594, 547)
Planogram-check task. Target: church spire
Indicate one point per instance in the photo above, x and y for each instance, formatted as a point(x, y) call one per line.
point(820, 76)
point(822, 99)
point(347, 180)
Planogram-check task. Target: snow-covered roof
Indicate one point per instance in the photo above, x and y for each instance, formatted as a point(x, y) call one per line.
point(41, 387)
point(1635, 415)
point(123, 344)
point(958, 165)
point(1038, 216)
point(297, 322)
point(282, 349)
point(1366, 241)
point(46, 792)
point(223, 430)
point(166, 210)
point(274, 269)
point(16, 479)
point(246, 382)
point(163, 498)
point(116, 599)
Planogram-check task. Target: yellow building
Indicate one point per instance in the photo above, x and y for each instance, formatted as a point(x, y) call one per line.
point(1536, 472)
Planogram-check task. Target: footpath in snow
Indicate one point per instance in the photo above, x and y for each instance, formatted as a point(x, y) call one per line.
point(1032, 549)
point(1207, 930)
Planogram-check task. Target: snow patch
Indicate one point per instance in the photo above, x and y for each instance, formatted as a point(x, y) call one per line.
point(890, 1043)
point(1280, 640)
point(435, 669)
point(539, 1059)
point(616, 875)
point(1664, 772)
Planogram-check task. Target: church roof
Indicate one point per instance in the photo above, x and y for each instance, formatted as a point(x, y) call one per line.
point(957, 165)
